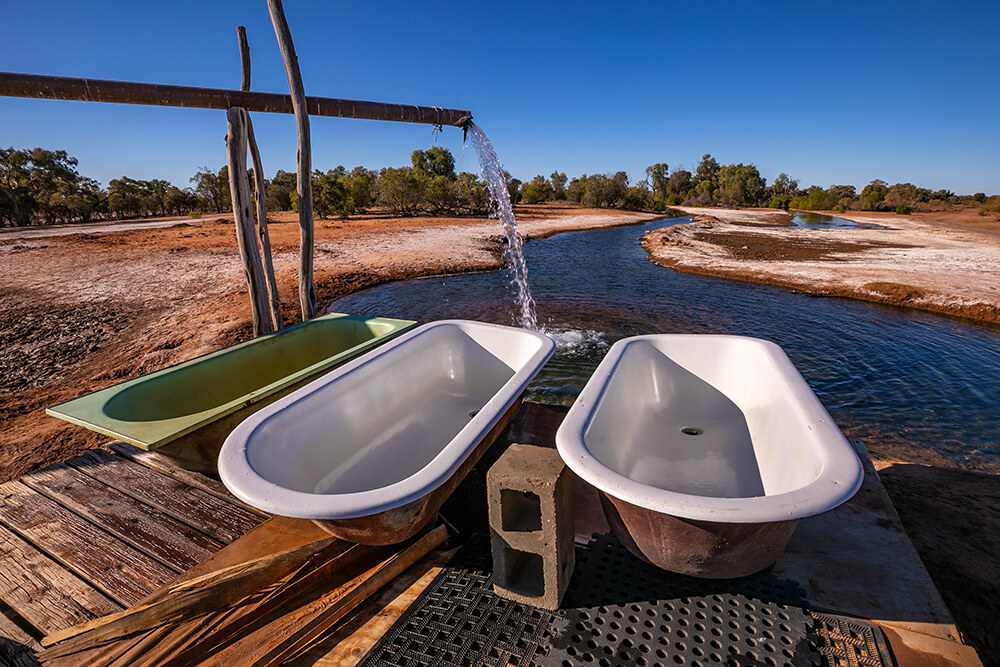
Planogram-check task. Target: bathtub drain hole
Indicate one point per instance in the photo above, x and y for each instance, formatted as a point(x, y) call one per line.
point(691, 430)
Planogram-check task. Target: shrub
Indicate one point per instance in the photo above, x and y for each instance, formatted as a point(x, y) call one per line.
point(904, 209)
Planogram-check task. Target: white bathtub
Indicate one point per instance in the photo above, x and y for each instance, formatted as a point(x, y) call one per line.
point(707, 450)
point(371, 450)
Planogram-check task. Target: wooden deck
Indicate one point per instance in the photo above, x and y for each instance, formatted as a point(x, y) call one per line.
point(99, 533)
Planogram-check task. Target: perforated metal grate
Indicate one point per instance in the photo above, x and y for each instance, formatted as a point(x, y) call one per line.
point(622, 611)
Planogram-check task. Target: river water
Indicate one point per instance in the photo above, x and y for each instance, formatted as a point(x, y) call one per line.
point(912, 383)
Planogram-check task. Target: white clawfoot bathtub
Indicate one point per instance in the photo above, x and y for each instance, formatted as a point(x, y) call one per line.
point(707, 450)
point(371, 450)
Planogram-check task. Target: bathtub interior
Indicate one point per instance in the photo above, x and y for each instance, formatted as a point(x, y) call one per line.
point(707, 416)
point(213, 381)
point(387, 418)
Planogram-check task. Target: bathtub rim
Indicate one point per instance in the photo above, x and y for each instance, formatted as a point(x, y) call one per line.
point(88, 410)
point(236, 470)
point(839, 478)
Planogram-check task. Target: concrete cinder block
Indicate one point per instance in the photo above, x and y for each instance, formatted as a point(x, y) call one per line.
point(530, 497)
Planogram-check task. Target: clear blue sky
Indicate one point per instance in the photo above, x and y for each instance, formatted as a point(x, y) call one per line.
point(830, 92)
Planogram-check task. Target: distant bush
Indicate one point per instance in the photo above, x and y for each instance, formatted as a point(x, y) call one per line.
point(194, 214)
point(903, 209)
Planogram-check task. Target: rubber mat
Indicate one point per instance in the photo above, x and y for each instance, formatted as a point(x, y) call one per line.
point(620, 610)
point(458, 620)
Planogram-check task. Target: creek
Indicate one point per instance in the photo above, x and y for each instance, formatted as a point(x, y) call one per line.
point(917, 382)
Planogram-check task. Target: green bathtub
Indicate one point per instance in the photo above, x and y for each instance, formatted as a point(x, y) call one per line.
point(186, 411)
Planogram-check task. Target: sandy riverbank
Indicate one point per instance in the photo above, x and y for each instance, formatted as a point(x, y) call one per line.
point(947, 263)
point(81, 311)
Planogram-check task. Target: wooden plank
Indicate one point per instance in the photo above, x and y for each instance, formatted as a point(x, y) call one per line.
point(43, 593)
point(17, 638)
point(154, 461)
point(296, 590)
point(194, 507)
point(116, 569)
point(17, 647)
point(276, 534)
point(127, 92)
point(352, 641)
point(147, 529)
point(317, 619)
point(213, 592)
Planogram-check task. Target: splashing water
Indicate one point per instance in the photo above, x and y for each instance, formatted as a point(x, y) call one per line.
point(492, 173)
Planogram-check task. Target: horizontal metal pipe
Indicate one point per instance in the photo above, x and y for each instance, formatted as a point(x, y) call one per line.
point(125, 92)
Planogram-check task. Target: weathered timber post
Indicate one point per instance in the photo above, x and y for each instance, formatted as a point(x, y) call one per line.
point(239, 187)
point(260, 196)
point(307, 290)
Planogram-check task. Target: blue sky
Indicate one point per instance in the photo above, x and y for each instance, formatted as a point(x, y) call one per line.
point(828, 92)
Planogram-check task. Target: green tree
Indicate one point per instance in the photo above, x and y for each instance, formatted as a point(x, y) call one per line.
point(558, 185)
point(678, 186)
point(784, 186)
point(279, 191)
point(740, 185)
point(401, 191)
point(873, 195)
point(537, 190)
point(330, 197)
point(40, 184)
point(435, 161)
point(659, 177)
point(707, 171)
point(513, 188)
point(212, 188)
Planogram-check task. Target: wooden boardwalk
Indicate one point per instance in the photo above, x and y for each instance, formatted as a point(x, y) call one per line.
point(97, 534)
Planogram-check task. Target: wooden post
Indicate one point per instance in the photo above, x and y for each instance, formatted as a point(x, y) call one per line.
point(307, 291)
point(260, 196)
point(239, 188)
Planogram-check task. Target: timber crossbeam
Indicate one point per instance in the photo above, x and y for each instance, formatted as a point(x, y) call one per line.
point(154, 94)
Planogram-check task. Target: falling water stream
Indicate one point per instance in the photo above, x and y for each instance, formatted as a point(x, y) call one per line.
point(492, 173)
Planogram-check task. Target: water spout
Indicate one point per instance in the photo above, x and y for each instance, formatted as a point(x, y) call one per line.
point(492, 173)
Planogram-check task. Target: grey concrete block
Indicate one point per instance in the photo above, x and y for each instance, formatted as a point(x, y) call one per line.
point(530, 497)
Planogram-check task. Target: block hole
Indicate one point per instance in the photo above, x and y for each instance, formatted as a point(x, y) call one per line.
point(520, 511)
point(523, 572)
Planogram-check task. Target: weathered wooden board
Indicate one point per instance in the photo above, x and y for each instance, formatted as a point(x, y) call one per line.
point(274, 535)
point(43, 592)
point(352, 641)
point(149, 530)
point(17, 649)
point(14, 640)
point(154, 461)
point(196, 508)
point(116, 569)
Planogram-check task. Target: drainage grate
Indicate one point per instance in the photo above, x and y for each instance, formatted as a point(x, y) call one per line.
point(458, 620)
point(621, 611)
point(848, 642)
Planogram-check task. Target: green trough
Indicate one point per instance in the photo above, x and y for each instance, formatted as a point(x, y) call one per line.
point(185, 412)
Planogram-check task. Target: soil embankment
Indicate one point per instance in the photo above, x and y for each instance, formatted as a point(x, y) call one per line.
point(84, 310)
point(946, 263)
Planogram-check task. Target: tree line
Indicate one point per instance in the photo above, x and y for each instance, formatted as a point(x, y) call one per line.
point(39, 186)
point(739, 185)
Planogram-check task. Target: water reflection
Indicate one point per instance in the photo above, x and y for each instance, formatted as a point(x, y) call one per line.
point(810, 220)
point(914, 381)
